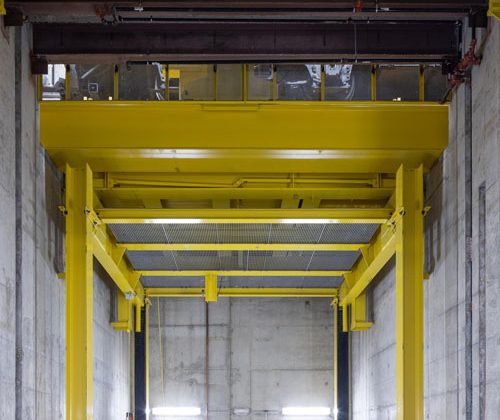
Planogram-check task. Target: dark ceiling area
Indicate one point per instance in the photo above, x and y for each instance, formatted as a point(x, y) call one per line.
point(247, 31)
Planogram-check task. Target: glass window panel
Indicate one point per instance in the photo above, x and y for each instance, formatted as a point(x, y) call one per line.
point(144, 82)
point(229, 82)
point(299, 82)
point(347, 82)
point(260, 82)
point(397, 83)
point(93, 82)
point(196, 82)
point(435, 82)
point(53, 83)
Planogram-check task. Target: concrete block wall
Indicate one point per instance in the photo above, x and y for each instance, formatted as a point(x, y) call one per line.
point(43, 309)
point(444, 340)
point(264, 354)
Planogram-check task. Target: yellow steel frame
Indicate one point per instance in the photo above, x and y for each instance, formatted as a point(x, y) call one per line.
point(494, 9)
point(79, 294)
point(245, 216)
point(140, 156)
point(243, 273)
point(278, 292)
point(2, 7)
point(141, 136)
point(241, 247)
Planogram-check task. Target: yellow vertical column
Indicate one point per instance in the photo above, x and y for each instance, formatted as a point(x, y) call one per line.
point(79, 293)
point(409, 294)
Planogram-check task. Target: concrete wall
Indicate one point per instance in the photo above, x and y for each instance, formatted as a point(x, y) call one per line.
point(264, 354)
point(373, 351)
point(41, 323)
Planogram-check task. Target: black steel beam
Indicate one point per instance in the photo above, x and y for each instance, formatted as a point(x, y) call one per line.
point(246, 42)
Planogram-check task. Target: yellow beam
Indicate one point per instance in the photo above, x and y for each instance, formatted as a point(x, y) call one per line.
point(2, 7)
point(249, 193)
point(140, 137)
point(110, 256)
point(291, 216)
point(494, 9)
point(124, 318)
point(245, 292)
point(242, 273)
point(381, 250)
point(409, 295)
point(79, 294)
point(241, 247)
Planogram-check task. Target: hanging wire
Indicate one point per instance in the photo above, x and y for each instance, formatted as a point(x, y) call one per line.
point(161, 352)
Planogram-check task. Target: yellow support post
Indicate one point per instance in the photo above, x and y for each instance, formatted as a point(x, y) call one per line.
point(116, 83)
point(323, 85)
point(79, 293)
point(421, 83)
point(374, 82)
point(409, 295)
point(67, 83)
point(211, 288)
point(147, 304)
point(2, 8)
point(244, 80)
point(138, 318)
point(494, 9)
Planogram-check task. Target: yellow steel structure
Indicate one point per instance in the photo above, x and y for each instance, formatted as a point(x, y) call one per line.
point(244, 163)
point(79, 293)
point(241, 247)
point(2, 7)
point(276, 292)
point(410, 295)
point(243, 273)
point(244, 216)
point(494, 9)
point(243, 136)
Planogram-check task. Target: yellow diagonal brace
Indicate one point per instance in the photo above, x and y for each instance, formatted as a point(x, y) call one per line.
point(110, 257)
point(79, 294)
point(242, 273)
point(409, 295)
point(241, 247)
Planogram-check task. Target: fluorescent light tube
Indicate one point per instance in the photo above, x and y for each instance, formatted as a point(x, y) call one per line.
point(176, 411)
point(306, 411)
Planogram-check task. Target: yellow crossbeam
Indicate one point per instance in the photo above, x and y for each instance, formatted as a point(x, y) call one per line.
point(245, 292)
point(245, 216)
point(241, 247)
point(243, 273)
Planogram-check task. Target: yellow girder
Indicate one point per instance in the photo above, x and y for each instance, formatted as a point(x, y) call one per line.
point(280, 292)
point(241, 247)
point(243, 273)
point(341, 215)
point(244, 136)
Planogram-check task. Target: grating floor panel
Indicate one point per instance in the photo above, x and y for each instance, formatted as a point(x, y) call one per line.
point(244, 233)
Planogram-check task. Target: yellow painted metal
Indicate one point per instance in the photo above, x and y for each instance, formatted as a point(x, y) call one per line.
point(359, 316)
point(322, 84)
point(79, 294)
point(139, 136)
point(211, 287)
point(2, 7)
point(373, 80)
point(146, 351)
point(67, 83)
point(116, 83)
point(421, 84)
point(290, 216)
point(279, 292)
point(381, 250)
point(39, 87)
point(409, 295)
point(110, 256)
point(243, 273)
point(494, 9)
point(124, 318)
point(241, 247)
point(138, 320)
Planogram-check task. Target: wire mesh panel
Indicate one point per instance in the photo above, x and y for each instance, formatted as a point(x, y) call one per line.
point(244, 233)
